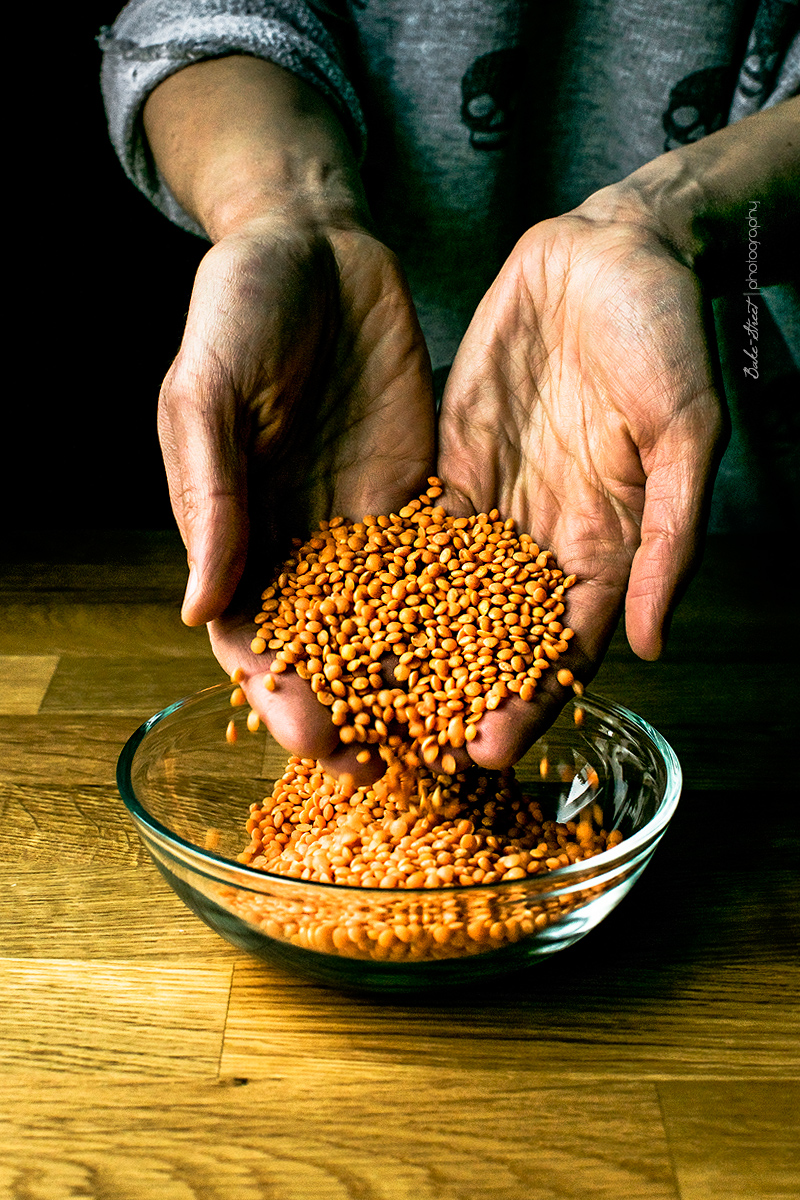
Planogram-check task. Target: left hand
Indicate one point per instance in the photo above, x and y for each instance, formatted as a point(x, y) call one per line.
point(266, 428)
point(582, 404)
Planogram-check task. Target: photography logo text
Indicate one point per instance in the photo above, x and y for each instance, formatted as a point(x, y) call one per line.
point(751, 323)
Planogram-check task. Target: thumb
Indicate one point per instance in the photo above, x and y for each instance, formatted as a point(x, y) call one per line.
point(216, 545)
point(207, 478)
point(677, 496)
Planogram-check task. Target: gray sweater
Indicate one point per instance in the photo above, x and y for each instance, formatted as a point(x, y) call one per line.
point(474, 119)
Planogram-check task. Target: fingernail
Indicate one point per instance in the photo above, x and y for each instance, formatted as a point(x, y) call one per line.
point(191, 588)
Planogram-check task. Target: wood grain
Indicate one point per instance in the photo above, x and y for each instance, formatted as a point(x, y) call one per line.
point(24, 680)
point(738, 1139)
point(722, 738)
point(105, 912)
point(119, 1018)
point(591, 1026)
point(422, 1135)
point(127, 685)
point(145, 1058)
point(136, 565)
point(80, 748)
point(52, 825)
point(92, 627)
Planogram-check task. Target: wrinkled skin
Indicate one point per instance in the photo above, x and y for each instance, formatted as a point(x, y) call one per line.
point(582, 404)
point(289, 331)
point(582, 401)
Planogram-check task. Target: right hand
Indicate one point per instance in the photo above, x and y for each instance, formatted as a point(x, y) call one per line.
point(301, 391)
point(582, 404)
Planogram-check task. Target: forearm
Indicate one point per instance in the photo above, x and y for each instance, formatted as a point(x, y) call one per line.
point(699, 198)
point(238, 138)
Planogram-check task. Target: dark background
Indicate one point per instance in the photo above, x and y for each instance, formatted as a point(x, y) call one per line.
point(99, 284)
point(98, 303)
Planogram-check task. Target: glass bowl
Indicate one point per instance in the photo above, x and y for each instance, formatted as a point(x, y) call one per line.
point(189, 792)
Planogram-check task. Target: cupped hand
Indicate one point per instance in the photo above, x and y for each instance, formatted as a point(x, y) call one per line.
point(301, 390)
point(582, 404)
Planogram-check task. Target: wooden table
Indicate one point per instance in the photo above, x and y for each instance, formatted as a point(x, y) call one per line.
point(143, 1057)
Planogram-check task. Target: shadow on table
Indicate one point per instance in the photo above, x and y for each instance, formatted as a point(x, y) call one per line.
point(722, 890)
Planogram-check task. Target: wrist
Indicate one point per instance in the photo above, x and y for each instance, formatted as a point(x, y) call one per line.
point(662, 199)
point(239, 138)
point(697, 199)
point(238, 190)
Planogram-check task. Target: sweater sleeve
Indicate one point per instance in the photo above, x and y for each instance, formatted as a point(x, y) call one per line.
point(152, 39)
point(770, 72)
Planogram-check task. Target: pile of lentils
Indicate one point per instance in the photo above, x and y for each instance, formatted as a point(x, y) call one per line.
point(479, 829)
point(467, 612)
point(468, 609)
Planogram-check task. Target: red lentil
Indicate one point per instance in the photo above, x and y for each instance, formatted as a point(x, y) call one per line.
point(486, 831)
point(471, 613)
point(469, 609)
point(476, 821)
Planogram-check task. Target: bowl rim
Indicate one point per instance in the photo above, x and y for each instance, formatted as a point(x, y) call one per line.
point(649, 834)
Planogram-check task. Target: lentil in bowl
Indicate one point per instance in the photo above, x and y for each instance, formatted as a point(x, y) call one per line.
point(191, 793)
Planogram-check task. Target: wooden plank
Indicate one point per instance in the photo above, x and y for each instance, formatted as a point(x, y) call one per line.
point(672, 693)
point(734, 1138)
point(544, 1084)
point(693, 925)
point(720, 694)
point(74, 748)
point(93, 627)
point(49, 825)
point(79, 883)
point(104, 912)
point(731, 727)
point(127, 1019)
point(134, 564)
point(694, 974)
point(24, 680)
point(594, 1026)
point(126, 685)
point(721, 616)
point(415, 1134)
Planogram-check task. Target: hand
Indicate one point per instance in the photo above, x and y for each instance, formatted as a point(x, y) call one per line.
point(582, 404)
point(301, 390)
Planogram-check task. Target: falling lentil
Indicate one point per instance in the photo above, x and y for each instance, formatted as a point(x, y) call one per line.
point(470, 613)
point(468, 877)
point(479, 827)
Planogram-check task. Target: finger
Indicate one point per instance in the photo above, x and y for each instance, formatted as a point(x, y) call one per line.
point(303, 726)
point(677, 498)
point(207, 479)
point(288, 706)
point(292, 713)
point(467, 463)
point(661, 568)
point(351, 760)
point(216, 543)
